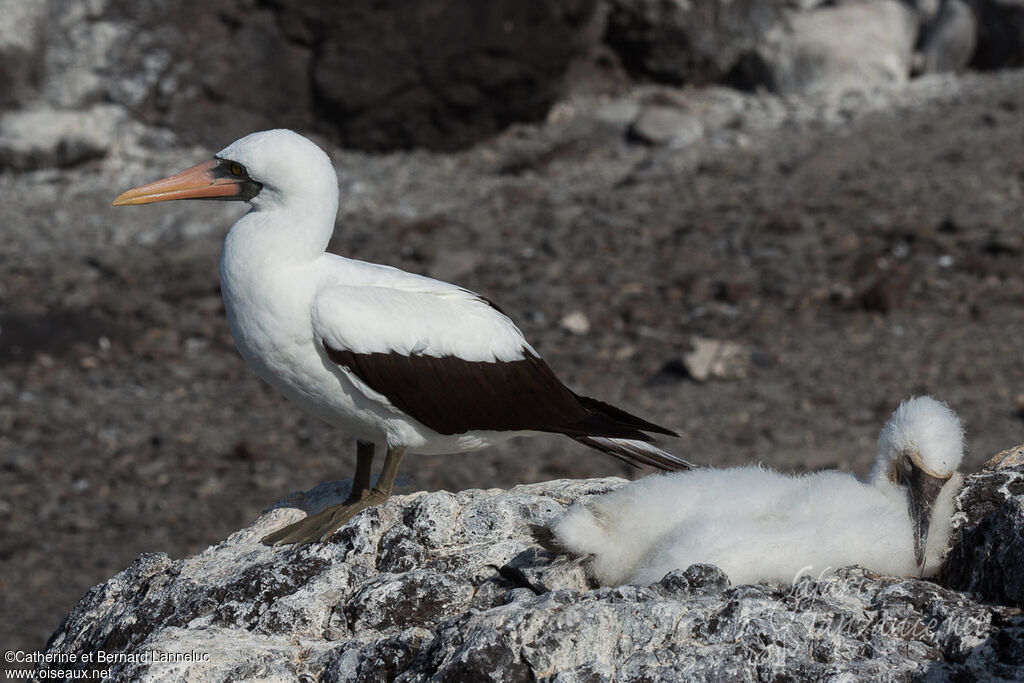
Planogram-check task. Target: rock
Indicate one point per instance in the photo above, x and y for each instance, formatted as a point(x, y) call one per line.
point(660, 125)
point(443, 74)
point(987, 547)
point(927, 10)
point(831, 50)
point(620, 112)
point(706, 579)
point(716, 359)
point(20, 48)
point(687, 41)
point(987, 557)
point(949, 42)
point(439, 74)
point(434, 74)
point(1000, 34)
point(48, 138)
point(1009, 458)
point(673, 370)
point(445, 586)
point(887, 291)
point(575, 322)
point(707, 359)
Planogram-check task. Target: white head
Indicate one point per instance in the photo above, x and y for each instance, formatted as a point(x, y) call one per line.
point(919, 450)
point(289, 168)
point(922, 432)
point(287, 179)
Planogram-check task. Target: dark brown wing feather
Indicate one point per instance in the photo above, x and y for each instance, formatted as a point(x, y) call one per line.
point(452, 396)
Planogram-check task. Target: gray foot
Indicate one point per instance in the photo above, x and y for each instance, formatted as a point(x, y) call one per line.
point(321, 526)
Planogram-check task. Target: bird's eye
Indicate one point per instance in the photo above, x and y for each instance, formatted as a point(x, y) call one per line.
point(236, 169)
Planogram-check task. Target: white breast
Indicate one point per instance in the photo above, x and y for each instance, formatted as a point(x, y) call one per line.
point(269, 309)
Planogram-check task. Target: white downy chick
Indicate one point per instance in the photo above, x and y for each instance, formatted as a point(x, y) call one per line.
point(760, 525)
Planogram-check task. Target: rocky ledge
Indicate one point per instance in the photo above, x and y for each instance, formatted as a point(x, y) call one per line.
point(454, 587)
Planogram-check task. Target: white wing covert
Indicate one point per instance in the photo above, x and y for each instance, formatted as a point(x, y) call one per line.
point(454, 322)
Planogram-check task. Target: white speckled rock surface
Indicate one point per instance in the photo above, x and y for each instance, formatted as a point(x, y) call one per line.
point(444, 586)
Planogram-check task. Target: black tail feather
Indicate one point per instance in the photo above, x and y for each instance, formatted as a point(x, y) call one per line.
point(621, 417)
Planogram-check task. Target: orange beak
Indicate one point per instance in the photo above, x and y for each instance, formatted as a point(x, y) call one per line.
point(208, 180)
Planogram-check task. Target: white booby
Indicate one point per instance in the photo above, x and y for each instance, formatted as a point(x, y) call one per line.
point(389, 357)
point(759, 525)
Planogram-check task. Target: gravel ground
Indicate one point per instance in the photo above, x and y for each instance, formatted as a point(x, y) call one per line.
point(860, 252)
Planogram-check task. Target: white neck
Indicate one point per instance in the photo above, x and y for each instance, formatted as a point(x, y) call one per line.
point(287, 227)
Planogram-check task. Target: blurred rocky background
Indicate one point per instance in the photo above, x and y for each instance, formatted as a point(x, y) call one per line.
point(761, 223)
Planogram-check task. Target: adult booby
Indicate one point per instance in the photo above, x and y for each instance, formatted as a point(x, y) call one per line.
point(389, 357)
point(759, 525)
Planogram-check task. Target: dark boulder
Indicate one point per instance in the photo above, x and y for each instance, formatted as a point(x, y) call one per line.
point(687, 42)
point(987, 549)
point(1000, 34)
point(440, 74)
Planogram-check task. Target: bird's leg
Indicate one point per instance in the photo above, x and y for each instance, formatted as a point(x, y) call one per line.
point(386, 481)
point(320, 526)
point(361, 480)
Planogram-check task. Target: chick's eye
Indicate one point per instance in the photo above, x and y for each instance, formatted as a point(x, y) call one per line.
point(236, 169)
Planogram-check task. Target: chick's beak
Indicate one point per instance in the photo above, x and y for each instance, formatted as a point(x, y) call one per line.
point(923, 489)
point(203, 181)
